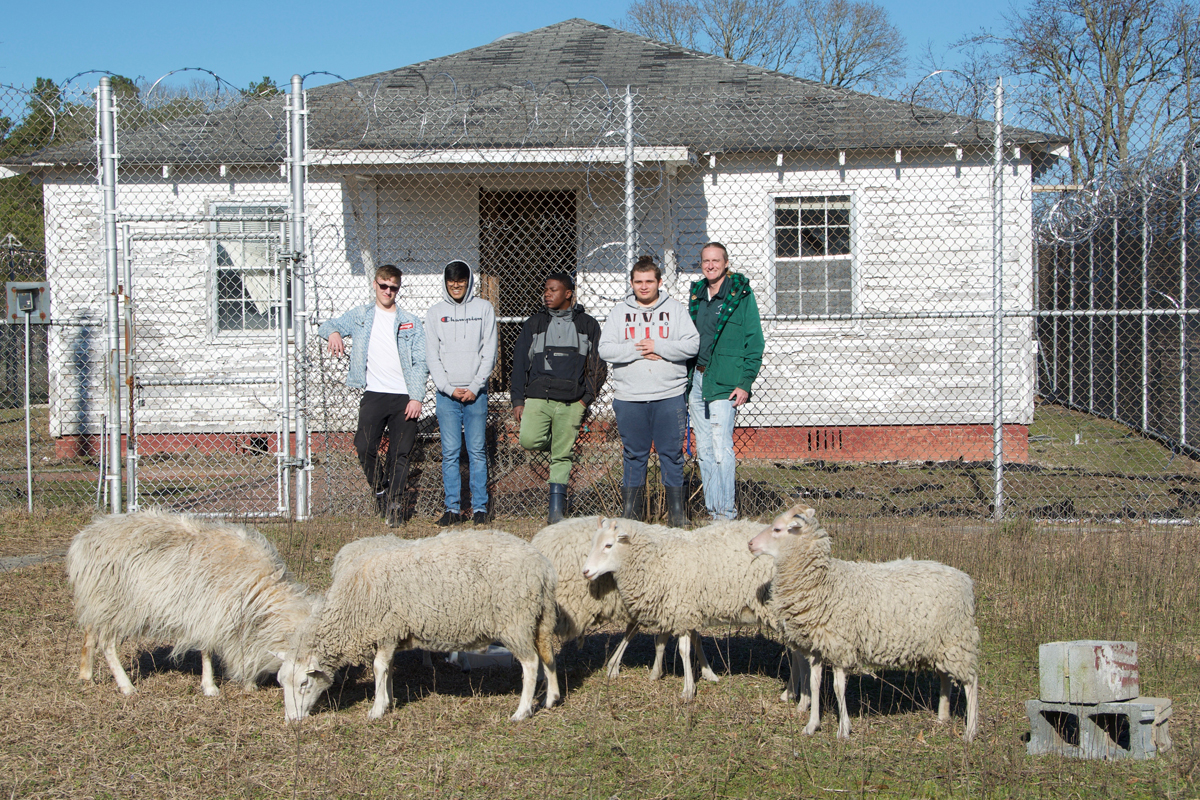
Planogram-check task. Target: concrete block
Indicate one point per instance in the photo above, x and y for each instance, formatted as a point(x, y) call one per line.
point(1088, 671)
point(1136, 729)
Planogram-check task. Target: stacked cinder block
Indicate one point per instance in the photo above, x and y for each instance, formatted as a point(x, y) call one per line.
point(1089, 705)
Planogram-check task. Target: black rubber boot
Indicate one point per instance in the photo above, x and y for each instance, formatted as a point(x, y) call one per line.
point(676, 512)
point(634, 502)
point(558, 503)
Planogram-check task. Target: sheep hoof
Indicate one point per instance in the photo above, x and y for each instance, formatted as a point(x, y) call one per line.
point(127, 690)
point(613, 672)
point(375, 713)
point(709, 675)
point(520, 715)
point(211, 691)
point(811, 728)
point(787, 696)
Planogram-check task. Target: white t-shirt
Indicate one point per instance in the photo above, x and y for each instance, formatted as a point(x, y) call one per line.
point(384, 373)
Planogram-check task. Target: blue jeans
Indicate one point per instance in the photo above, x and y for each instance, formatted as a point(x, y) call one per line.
point(713, 423)
point(657, 422)
point(456, 418)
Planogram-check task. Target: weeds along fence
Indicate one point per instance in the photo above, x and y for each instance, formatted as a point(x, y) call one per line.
point(195, 240)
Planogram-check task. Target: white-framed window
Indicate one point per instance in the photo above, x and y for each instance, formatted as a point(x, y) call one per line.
point(247, 271)
point(814, 268)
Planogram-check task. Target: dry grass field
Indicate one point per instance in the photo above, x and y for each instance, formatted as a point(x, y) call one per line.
point(449, 734)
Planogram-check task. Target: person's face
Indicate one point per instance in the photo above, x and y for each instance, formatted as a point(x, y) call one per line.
point(713, 264)
point(457, 288)
point(557, 296)
point(645, 287)
point(386, 290)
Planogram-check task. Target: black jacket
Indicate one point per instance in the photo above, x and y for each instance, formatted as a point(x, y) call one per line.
point(557, 373)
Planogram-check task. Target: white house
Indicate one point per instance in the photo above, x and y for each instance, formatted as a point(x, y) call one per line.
point(864, 224)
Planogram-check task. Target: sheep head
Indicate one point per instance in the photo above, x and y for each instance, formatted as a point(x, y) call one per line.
point(303, 682)
point(796, 521)
point(611, 537)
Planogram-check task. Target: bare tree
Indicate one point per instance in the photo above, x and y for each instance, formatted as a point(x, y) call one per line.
point(848, 43)
point(852, 44)
point(1115, 75)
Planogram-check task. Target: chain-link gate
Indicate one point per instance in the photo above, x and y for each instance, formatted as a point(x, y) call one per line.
point(943, 338)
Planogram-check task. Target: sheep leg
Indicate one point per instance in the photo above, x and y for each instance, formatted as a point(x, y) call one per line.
point(685, 653)
point(944, 698)
point(613, 668)
point(705, 670)
point(660, 650)
point(529, 673)
point(972, 728)
point(798, 690)
point(114, 665)
point(839, 689)
point(383, 679)
point(426, 659)
point(545, 650)
point(816, 668)
point(87, 653)
point(206, 675)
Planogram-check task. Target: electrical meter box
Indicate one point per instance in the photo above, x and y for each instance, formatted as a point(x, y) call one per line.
point(30, 298)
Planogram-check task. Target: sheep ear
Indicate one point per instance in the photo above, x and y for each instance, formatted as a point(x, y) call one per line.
point(282, 656)
point(623, 537)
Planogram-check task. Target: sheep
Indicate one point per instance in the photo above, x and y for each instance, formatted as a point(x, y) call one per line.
point(859, 615)
point(456, 591)
point(584, 604)
point(352, 550)
point(218, 588)
point(678, 581)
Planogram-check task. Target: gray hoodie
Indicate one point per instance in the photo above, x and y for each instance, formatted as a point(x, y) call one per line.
point(460, 340)
point(668, 323)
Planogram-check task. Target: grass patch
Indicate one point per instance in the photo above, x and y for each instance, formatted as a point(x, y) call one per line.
point(449, 735)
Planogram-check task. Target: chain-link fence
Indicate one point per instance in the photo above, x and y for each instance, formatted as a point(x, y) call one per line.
point(922, 356)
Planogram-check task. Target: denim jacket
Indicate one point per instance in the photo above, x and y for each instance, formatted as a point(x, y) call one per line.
point(410, 344)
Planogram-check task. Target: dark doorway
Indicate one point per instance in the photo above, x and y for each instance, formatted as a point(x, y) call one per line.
point(523, 237)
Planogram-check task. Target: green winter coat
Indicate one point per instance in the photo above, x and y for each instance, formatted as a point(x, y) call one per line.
point(738, 345)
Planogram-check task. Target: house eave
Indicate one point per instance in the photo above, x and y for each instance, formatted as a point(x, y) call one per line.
point(500, 156)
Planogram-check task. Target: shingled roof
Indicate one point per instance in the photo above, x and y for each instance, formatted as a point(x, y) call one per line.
point(557, 87)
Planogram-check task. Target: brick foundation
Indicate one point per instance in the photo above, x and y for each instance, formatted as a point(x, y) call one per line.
point(865, 443)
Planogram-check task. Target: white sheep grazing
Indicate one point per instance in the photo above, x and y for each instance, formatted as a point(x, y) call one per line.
point(859, 615)
point(457, 591)
point(206, 586)
point(678, 581)
point(352, 550)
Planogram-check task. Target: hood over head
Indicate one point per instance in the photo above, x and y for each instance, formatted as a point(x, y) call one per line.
point(457, 265)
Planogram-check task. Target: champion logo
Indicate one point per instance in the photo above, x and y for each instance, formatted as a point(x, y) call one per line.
point(445, 319)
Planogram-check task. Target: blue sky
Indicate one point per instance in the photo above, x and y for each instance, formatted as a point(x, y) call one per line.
point(243, 41)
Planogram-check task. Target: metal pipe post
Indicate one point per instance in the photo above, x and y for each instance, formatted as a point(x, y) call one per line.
point(28, 443)
point(1183, 300)
point(998, 309)
point(1145, 305)
point(299, 309)
point(108, 187)
point(630, 228)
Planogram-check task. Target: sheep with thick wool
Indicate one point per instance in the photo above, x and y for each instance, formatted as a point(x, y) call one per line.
point(218, 588)
point(677, 582)
point(858, 615)
point(457, 591)
point(584, 604)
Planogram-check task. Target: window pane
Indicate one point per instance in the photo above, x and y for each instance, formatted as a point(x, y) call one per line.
point(812, 216)
point(813, 303)
point(812, 242)
point(787, 242)
point(839, 276)
point(787, 217)
point(812, 276)
point(840, 216)
point(839, 241)
point(787, 278)
point(839, 303)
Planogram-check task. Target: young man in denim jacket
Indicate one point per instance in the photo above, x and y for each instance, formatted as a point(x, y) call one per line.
point(388, 363)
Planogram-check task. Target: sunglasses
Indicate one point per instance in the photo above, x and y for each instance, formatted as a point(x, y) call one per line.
point(387, 287)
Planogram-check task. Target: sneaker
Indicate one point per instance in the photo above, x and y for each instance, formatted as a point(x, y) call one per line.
point(450, 518)
point(396, 516)
point(480, 518)
point(381, 503)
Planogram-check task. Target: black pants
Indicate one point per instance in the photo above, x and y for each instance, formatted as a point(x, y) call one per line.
point(379, 412)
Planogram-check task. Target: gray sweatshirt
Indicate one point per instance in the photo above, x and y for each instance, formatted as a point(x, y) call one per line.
point(668, 323)
point(460, 341)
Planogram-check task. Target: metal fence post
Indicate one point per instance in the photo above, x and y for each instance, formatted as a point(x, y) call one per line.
point(299, 309)
point(630, 229)
point(998, 308)
point(108, 183)
point(1183, 300)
